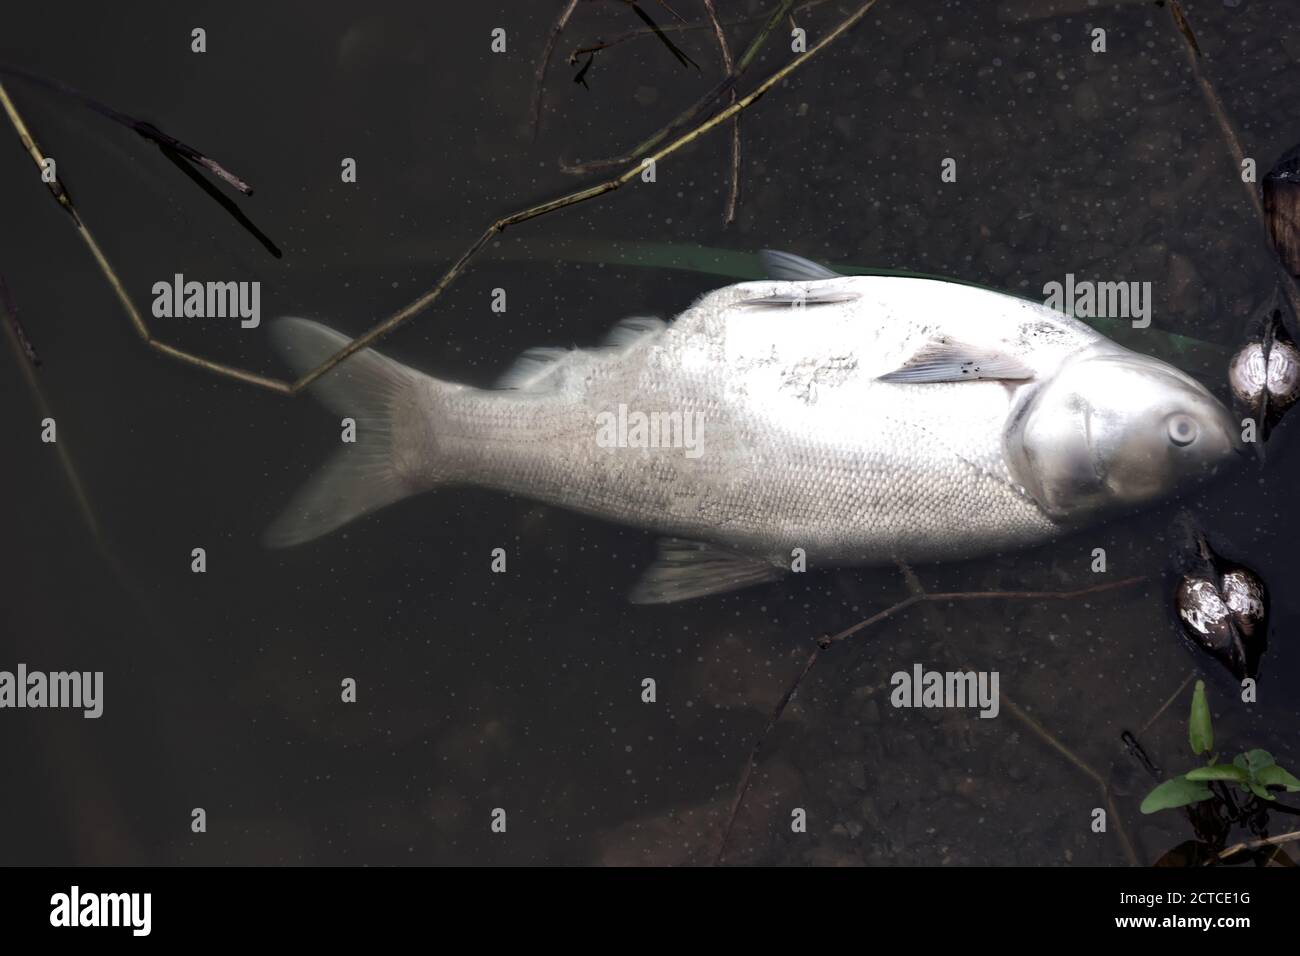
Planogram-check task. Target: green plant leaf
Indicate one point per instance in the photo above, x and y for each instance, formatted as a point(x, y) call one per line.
point(1275, 776)
point(1260, 792)
point(1220, 771)
point(1253, 761)
point(1200, 731)
point(1178, 792)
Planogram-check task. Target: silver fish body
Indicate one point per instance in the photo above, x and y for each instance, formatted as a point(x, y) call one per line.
point(861, 419)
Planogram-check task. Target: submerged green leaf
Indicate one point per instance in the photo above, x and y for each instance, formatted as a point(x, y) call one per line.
point(1178, 792)
point(1220, 771)
point(1253, 761)
point(1200, 731)
point(1275, 776)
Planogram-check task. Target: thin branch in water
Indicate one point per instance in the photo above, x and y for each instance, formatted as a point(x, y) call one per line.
point(702, 105)
point(917, 597)
point(181, 154)
point(673, 48)
point(581, 76)
point(540, 82)
point(1220, 115)
point(1102, 783)
point(733, 191)
point(581, 51)
point(10, 310)
point(64, 200)
point(1168, 703)
point(412, 309)
point(225, 202)
point(141, 127)
point(1279, 840)
point(16, 339)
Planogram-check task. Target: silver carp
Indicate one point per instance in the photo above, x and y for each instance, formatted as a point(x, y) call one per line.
point(862, 419)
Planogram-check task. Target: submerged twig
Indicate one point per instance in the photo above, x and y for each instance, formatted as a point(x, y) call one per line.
point(142, 127)
point(673, 48)
point(17, 340)
point(826, 642)
point(137, 321)
point(402, 315)
point(1291, 837)
point(680, 28)
point(733, 191)
point(182, 154)
point(1102, 783)
point(1220, 114)
point(547, 51)
point(1168, 703)
point(10, 310)
point(702, 105)
point(916, 587)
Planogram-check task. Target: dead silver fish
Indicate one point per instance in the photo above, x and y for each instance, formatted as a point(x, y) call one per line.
point(861, 419)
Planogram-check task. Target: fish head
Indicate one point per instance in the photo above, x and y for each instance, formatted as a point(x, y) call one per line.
point(1114, 429)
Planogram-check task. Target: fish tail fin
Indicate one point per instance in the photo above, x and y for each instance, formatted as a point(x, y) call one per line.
point(385, 400)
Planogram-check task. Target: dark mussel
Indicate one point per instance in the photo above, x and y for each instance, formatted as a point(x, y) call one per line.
point(1281, 196)
point(1222, 606)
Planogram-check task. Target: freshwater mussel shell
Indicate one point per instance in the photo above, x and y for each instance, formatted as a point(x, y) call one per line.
point(1250, 376)
point(1226, 616)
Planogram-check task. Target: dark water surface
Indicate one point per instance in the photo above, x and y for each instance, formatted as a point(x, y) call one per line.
point(523, 691)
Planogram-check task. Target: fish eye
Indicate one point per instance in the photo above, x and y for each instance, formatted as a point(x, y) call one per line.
point(1182, 430)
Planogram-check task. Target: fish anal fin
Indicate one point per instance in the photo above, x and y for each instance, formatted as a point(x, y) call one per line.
point(692, 569)
point(947, 361)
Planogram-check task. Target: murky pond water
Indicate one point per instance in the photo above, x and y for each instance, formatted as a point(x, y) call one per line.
point(523, 690)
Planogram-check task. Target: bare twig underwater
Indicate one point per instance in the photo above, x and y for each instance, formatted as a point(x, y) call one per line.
point(412, 309)
point(733, 190)
point(599, 45)
point(1230, 139)
point(1258, 844)
point(182, 154)
point(10, 311)
point(706, 102)
point(540, 81)
point(24, 357)
point(64, 199)
point(919, 596)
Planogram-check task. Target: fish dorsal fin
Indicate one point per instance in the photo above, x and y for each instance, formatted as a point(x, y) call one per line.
point(533, 368)
point(943, 360)
point(540, 368)
point(791, 268)
point(691, 569)
point(631, 330)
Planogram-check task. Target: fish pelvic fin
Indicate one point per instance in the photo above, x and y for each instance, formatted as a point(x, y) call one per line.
point(392, 435)
point(692, 569)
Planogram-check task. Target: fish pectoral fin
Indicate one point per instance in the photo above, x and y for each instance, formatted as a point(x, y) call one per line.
point(947, 361)
point(692, 569)
point(791, 268)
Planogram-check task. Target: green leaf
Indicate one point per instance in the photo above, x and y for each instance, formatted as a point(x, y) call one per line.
point(1200, 732)
point(1178, 792)
point(1253, 761)
point(1260, 792)
point(1275, 776)
point(1220, 771)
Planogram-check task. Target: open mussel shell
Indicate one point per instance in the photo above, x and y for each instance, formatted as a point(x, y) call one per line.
point(1222, 607)
point(1264, 374)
